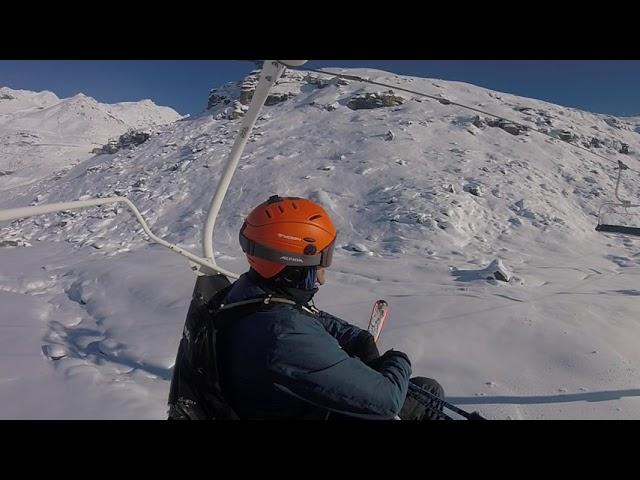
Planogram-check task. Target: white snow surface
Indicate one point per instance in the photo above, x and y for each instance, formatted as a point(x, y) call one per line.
point(92, 314)
point(41, 133)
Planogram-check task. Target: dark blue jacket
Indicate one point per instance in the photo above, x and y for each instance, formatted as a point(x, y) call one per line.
point(285, 362)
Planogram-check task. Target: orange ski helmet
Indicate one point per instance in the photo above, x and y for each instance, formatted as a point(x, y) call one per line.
point(287, 231)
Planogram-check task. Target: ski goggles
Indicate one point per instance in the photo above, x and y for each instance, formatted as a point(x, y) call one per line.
point(320, 259)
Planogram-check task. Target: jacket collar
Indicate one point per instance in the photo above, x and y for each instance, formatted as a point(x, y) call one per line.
point(251, 285)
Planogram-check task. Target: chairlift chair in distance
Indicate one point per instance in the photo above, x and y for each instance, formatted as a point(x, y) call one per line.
point(612, 208)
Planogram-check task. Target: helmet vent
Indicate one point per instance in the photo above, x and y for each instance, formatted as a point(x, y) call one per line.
point(315, 217)
point(268, 214)
point(280, 208)
point(293, 204)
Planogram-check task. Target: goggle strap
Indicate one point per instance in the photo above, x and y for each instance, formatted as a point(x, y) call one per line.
point(285, 258)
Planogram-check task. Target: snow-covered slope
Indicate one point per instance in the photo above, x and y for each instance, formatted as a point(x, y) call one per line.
point(142, 114)
point(41, 134)
point(424, 196)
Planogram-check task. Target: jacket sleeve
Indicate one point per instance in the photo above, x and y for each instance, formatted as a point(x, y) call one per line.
point(312, 367)
point(348, 336)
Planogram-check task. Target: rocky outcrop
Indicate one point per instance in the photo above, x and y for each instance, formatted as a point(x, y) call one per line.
point(565, 135)
point(216, 99)
point(132, 138)
point(368, 101)
point(474, 189)
point(499, 271)
point(276, 98)
point(512, 128)
point(596, 142)
point(234, 95)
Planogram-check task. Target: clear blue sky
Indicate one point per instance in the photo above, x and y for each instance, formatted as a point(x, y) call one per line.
point(603, 86)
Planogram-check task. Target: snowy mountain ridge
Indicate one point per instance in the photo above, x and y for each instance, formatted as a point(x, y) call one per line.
point(40, 132)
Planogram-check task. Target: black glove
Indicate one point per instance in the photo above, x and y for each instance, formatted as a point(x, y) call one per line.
point(378, 363)
point(364, 347)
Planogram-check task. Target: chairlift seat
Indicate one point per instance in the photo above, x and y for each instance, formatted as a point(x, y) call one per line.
point(618, 229)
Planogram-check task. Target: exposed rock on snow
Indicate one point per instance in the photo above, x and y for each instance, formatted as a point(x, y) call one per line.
point(368, 101)
point(500, 272)
point(132, 138)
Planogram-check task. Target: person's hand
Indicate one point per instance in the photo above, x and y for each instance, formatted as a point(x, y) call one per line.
point(364, 347)
point(379, 362)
